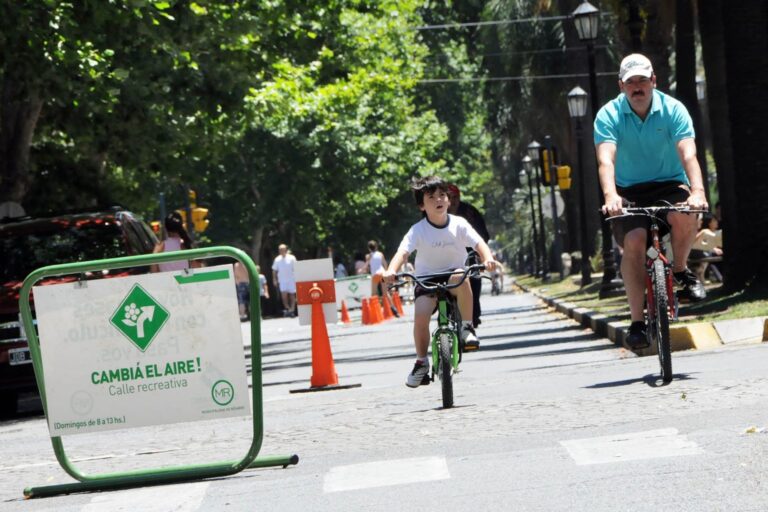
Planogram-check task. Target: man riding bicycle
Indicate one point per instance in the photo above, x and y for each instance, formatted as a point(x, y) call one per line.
point(646, 155)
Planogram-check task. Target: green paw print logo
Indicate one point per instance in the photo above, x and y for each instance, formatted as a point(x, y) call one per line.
point(139, 317)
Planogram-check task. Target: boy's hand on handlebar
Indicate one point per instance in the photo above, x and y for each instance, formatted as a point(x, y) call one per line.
point(490, 265)
point(613, 204)
point(389, 276)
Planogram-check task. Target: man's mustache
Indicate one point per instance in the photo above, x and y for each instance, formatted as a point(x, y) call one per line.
point(638, 93)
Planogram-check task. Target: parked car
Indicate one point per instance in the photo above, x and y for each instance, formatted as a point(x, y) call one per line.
point(29, 243)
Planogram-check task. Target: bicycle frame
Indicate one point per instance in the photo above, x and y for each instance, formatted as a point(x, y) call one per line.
point(653, 253)
point(444, 326)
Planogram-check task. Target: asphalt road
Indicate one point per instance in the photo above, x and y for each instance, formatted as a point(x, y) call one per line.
point(547, 417)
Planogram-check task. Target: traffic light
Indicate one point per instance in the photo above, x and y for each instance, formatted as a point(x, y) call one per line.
point(183, 214)
point(564, 177)
point(199, 220)
point(545, 165)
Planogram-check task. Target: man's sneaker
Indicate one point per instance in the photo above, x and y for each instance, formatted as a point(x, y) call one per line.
point(469, 338)
point(419, 376)
point(692, 290)
point(636, 337)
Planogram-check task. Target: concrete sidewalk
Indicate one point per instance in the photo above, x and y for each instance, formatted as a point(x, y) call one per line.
point(699, 336)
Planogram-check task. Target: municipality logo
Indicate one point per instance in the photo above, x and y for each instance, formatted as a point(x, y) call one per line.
point(139, 317)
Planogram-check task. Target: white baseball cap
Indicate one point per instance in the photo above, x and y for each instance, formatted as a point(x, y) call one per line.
point(635, 65)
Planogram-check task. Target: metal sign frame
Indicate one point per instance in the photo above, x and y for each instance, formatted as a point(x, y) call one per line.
point(164, 475)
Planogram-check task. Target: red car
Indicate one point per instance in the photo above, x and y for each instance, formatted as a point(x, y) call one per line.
point(30, 243)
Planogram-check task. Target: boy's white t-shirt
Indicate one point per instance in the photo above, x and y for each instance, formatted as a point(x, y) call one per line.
point(440, 249)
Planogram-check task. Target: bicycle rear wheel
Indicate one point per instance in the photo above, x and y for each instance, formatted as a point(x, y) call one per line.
point(446, 368)
point(660, 331)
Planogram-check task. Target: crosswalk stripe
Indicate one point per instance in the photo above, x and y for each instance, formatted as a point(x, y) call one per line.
point(160, 498)
point(385, 473)
point(650, 444)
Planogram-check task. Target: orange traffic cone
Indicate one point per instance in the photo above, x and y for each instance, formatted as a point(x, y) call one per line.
point(398, 303)
point(366, 312)
point(375, 306)
point(386, 308)
point(345, 314)
point(324, 375)
point(323, 369)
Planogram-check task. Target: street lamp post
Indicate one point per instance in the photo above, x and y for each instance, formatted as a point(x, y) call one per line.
point(586, 19)
point(577, 108)
point(526, 173)
point(556, 242)
point(534, 152)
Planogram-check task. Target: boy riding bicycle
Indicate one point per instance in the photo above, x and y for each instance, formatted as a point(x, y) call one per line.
point(439, 240)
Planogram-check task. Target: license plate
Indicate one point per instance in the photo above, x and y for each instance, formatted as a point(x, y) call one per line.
point(18, 356)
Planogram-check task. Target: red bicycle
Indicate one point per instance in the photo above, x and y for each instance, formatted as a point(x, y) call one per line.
point(660, 300)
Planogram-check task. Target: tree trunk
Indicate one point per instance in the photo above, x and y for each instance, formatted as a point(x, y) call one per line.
point(686, 79)
point(19, 112)
point(746, 69)
point(713, 51)
point(658, 39)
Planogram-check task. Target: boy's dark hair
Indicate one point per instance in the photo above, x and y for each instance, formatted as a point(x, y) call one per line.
point(373, 246)
point(427, 185)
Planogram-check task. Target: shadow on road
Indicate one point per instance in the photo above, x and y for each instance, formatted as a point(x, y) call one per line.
point(652, 379)
point(527, 342)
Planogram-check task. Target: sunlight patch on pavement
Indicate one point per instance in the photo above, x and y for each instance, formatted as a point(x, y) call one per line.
point(384, 473)
point(650, 444)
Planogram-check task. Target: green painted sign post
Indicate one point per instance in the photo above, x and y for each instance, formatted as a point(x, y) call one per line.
point(139, 318)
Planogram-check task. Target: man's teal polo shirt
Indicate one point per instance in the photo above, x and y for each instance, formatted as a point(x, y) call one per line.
point(645, 150)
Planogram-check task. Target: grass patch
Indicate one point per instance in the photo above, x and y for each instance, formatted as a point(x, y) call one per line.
point(719, 304)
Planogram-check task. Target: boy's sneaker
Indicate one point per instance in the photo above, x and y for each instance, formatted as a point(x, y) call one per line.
point(419, 376)
point(469, 338)
point(637, 338)
point(692, 290)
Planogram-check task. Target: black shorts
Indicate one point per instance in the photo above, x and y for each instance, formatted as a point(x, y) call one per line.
point(418, 291)
point(656, 193)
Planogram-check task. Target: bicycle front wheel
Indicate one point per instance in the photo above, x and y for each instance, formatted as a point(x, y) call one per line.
point(446, 368)
point(660, 330)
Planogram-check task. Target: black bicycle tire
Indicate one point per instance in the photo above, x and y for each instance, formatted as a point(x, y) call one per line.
point(446, 368)
point(662, 324)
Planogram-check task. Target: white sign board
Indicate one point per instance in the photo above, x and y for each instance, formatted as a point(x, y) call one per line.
point(141, 350)
point(352, 290)
point(315, 270)
point(546, 204)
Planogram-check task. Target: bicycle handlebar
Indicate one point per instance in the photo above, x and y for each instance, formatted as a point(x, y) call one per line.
point(424, 282)
point(653, 211)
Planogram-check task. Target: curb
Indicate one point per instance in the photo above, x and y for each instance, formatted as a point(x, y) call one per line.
point(698, 336)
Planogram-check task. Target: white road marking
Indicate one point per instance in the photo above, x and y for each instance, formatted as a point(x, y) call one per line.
point(665, 442)
point(159, 498)
point(384, 473)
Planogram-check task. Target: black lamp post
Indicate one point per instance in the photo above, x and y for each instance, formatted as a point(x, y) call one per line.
point(534, 153)
point(557, 246)
point(586, 19)
point(526, 173)
point(577, 108)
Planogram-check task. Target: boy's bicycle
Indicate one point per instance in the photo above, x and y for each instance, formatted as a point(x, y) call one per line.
point(660, 300)
point(446, 339)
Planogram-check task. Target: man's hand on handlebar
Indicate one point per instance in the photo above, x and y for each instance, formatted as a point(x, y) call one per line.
point(697, 200)
point(613, 205)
